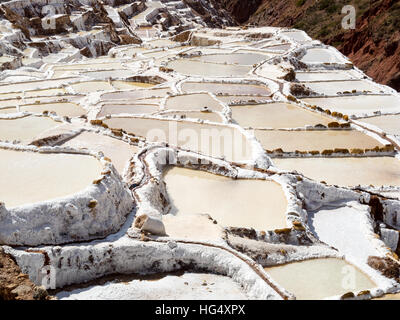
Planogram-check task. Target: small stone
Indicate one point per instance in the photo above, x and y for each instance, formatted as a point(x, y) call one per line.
point(21, 290)
point(40, 293)
point(172, 244)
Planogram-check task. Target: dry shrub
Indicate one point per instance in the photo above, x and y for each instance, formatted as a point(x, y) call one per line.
point(387, 266)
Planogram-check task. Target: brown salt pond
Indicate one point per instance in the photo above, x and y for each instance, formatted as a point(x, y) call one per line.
point(290, 141)
point(320, 278)
point(25, 129)
point(389, 124)
point(34, 177)
point(226, 88)
point(276, 115)
point(358, 104)
point(127, 109)
point(61, 108)
point(118, 151)
point(244, 203)
point(208, 139)
point(347, 172)
point(195, 102)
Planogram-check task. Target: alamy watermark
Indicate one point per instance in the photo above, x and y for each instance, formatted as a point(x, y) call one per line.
point(349, 20)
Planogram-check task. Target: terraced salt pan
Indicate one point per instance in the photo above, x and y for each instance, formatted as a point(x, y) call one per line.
point(232, 100)
point(161, 43)
point(62, 109)
point(291, 141)
point(347, 229)
point(195, 227)
point(195, 102)
point(389, 297)
point(389, 124)
point(327, 76)
point(335, 87)
point(35, 177)
point(33, 93)
point(118, 151)
point(92, 86)
point(135, 94)
point(226, 88)
point(298, 36)
point(37, 100)
point(346, 172)
point(123, 85)
point(127, 109)
point(247, 59)
point(189, 286)
point(276, 115)
point(212, 140)
point(358, 105)
point(319, 278)
point(106, 65)
point(25, 129)
point(277, 48)
point(199, 68)
point(236, 203)
point(208, 116)
point(320, 55)
point(28, 85)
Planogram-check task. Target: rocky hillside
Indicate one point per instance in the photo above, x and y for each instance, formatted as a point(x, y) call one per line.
point(373, 45)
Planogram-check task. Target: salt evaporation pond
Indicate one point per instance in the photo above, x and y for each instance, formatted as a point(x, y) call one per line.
point(118, 151)
point(326, 75)
point(61, 108)
point(276, 115)
point(234, 58)
point(226, 88)
point(25, 129)
point(240, 100)
point(207, 116)
point(395, 296)
point(199, 68)
point(193, 102)
point(389, 124)
point(317, 279)
point(358, 104)
point(189, 286)
point(290, 141)
point(123, 85)
point(212, 140)
point(36, 177)
point(335, 87)
point(92, 86)
point(127, 109)
point(347, 172)
point(320, 55)
point(244, 203)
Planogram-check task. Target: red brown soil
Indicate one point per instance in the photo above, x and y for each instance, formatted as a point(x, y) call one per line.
point(14, 285)
point(374, 46)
